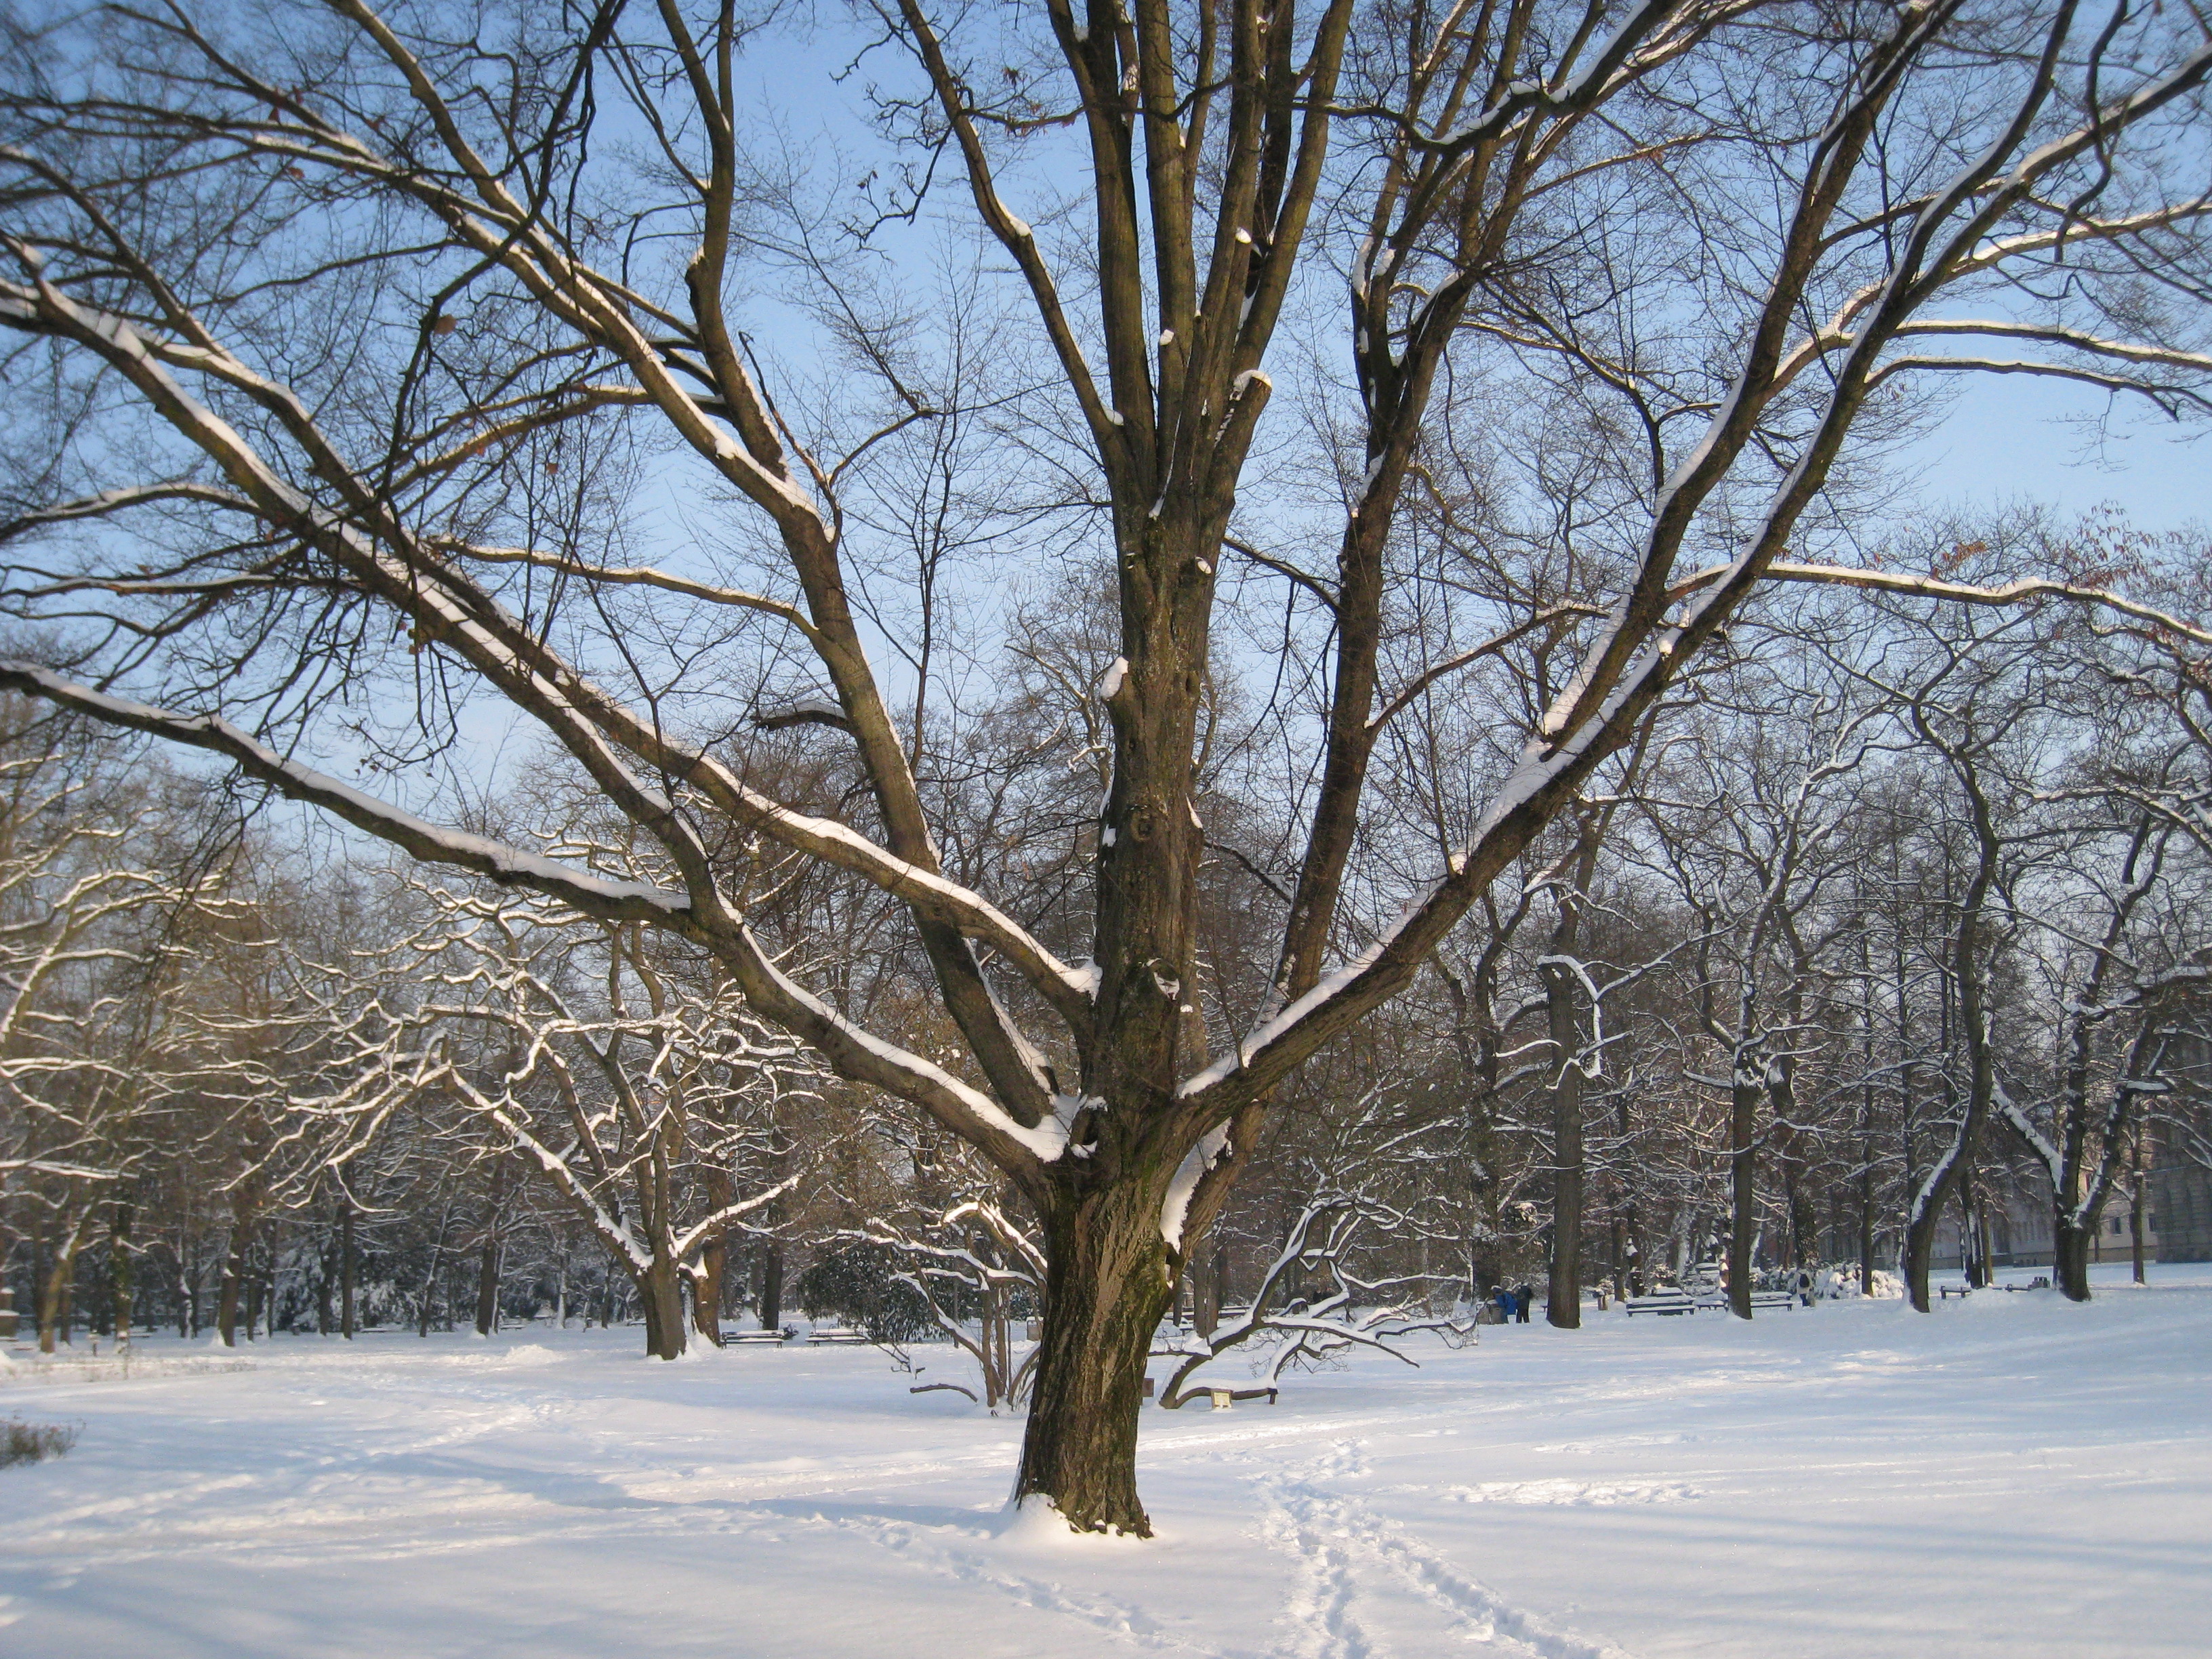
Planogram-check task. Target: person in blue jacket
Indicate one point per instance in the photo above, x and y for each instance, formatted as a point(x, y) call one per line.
point(1506, 1302)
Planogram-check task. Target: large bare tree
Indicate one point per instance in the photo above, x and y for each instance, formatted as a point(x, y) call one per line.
point(337, 329)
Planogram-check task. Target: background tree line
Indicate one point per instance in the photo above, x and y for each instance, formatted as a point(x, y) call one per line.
point(258, 1080)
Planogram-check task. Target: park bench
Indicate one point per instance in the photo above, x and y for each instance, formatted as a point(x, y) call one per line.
point(1220, 1398)
point(749, 1338)
point(1945, 1292)
point(1680, 1302)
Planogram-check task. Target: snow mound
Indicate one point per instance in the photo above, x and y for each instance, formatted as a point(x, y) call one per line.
point(1035, 1524)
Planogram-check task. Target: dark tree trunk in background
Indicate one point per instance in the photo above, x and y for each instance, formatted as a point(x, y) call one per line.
point(714, 1263)
point(707, 1305)
point(231, 1293)
point(1866, 1224)
point(437, 1265)
point(1205, 1293)
point(771, 1296)
point(326, 1286)
point(1972, 1267)
point(1564, 1290)
point(487, 1286)
point(2136, 1215)
point(189, 1302)
point(1804, 1226)
point(46, 1285)
point(2069, 1254)
point(345, 1271)
point(1744, 1096)
point(489, 1252)
point(121, 1288)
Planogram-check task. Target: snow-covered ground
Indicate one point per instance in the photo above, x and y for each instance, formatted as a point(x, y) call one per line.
point(2009, 1475)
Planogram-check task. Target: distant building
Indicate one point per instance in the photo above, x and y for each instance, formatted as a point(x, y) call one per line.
point(2181, 1188)
point(2177, 1193)
point(2020, 1228)
point(2183, 1193)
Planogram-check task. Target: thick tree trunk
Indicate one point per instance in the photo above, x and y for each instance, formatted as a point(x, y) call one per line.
point(1928, 1206)
point(1919, 1246)
point(488, 1287)
point(1935, 1191)
point(1106, 1287)
point(2069, 1255)
point(709, 1287)
point(661, 1295)
point(1804, 1224)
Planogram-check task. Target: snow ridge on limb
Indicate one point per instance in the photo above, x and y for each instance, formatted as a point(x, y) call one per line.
point(627, 900)
point(449, 609)
point(2002, 593)
point(1175, 1207)
point(2023, 1126)
point(966, 1110)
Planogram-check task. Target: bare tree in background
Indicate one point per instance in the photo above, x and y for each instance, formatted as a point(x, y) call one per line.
point(643, 1094)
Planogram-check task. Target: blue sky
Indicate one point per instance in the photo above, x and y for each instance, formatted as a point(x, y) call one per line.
point(2010, 439)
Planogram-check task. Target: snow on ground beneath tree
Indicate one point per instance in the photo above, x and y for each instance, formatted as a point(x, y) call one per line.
point(2009, 1475)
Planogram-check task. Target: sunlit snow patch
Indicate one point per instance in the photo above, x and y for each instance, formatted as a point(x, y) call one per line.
point(1589, 1494)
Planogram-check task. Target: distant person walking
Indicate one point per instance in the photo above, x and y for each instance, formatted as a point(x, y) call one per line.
point(1522, 1297)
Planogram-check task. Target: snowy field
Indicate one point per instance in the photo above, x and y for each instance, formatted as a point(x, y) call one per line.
point(2007, 1476)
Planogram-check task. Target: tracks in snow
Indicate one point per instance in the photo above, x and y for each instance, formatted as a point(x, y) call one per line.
point(1343, 1553)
